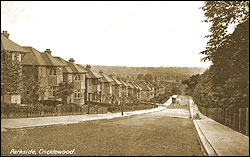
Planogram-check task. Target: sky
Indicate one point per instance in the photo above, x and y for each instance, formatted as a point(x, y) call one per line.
point(124, 33)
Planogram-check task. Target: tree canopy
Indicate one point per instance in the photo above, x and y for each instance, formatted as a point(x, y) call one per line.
point(226, 82)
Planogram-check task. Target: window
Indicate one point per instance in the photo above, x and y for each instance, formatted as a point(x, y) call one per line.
point(53, 91)
point(70, 78)
point(82, 100)
point(59, 79)
point(82, 85)
point(95, 81)
point(52, 71)
point(77, 94)
point(83, 76)
point(77, 77)
point(16, 56)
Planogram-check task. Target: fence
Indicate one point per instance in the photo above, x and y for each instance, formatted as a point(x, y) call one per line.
point(235, 118)
point(17, 111)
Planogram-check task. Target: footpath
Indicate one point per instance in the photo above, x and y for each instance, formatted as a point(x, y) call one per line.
point(217, 139)
point(70, 119)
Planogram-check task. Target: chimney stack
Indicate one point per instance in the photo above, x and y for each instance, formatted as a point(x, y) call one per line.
point(100, 71)
point(71, 60)
point(88, 66)
point(48, 51)
point(6, 34)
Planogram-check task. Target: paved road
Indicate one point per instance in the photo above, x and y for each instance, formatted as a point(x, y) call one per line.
point(168, 132)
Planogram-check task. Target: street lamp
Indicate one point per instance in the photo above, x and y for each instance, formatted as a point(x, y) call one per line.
point(122, 105)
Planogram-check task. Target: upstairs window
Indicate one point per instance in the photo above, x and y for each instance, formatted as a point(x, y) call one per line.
point(70, 78)
point(77, 94)
point(52, 71)
point(77, 77)
point(16, 56)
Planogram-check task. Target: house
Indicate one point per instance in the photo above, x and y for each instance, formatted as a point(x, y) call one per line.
point(138, 90)
point(156, 89)
point(76, 75)
point(117, 91)
point(93, 85)
point(10, 51)
point(131, 90)
point(106, 88)
point(124, 90)
point(145, 91)
point(152, 90)
point(159, 88)
point(46, 69)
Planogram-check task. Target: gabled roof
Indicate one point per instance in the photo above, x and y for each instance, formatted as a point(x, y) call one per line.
point(71, 67)
point(8, 45)
point(130, 85)
point(135, 85)
point(124, 83)
point(38, 58)
point(90, 73)
point(117, 82)
point(105, 78)
point(150, 85)
point(143, 86)
point(138, 87)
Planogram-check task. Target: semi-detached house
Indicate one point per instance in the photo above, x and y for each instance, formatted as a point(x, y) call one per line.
point(76, 75)
point(93, 84)
point(16, 52)
point(46, 68)
point(106, 88)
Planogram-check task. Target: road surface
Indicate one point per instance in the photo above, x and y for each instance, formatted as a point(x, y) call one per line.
point(169, 133)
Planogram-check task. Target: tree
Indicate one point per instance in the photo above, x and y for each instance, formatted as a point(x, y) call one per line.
point(191, 83)
point(148, 77)
point(11, 75)
point(139, 77)
point(226, 82)
point(65, 90)
point(222, 14)
point(31, 90)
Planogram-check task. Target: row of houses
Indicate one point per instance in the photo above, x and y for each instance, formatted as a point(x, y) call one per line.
point(88, 85)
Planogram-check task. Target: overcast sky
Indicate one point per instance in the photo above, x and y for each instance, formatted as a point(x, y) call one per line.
point(125, 33)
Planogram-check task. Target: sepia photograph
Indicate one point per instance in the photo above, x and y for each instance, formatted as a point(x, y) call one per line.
point(124, 78)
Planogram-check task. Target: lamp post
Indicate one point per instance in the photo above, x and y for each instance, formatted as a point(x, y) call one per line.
point(122, 105)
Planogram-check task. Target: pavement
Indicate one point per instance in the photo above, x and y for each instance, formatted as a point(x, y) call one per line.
point(217, 139)
point(70, 119)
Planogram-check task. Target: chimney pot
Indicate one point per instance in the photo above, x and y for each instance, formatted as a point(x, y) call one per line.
point(48, 51)
point(88, 66)
point(71, 60)
point(6, 34)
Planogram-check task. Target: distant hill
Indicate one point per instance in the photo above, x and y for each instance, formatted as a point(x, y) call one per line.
point(124, 70)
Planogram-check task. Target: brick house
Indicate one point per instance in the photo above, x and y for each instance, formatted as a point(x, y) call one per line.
point(46, 69)
point(156, 88)
point(137, 90)
point(152, 89)
point(131, 90)
point(106, 88)
point(117, 91)
point(145, 91)
point(93, 85)
point(16, 52)
point(124, 91)
point(76, 75)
